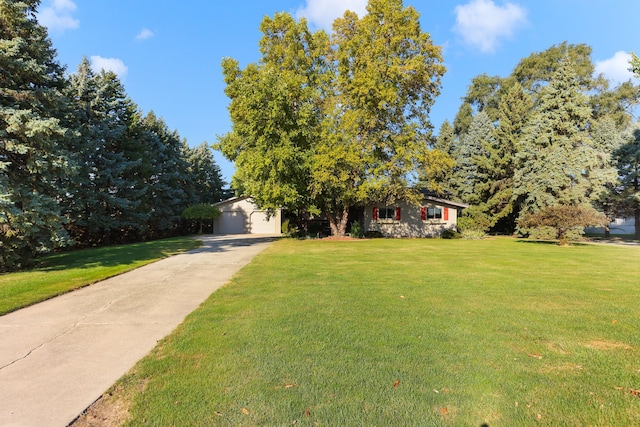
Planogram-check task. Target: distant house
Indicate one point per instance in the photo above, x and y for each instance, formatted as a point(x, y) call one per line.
point(403, 219)
point(240, 215)
point(616, 227)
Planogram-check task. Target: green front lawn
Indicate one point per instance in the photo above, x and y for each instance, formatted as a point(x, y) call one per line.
point(406, 332)
point(64, 272)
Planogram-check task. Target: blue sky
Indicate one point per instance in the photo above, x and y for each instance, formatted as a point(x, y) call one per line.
point(168, 53)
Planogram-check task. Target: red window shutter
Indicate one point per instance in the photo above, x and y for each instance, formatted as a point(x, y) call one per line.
point(375, 214)
point(446, 214)
point(398, 213)
point(423, 213)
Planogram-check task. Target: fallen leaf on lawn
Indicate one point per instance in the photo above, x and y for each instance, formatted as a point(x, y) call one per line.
point(539, 416)
point(289, 385)
point(307, 413)
point(614, 321)
point(516, 404)
point(401, 296)
point(395, 384)
point(218, 413)
point(445, 411)
point(245, 411)
point(536, 356)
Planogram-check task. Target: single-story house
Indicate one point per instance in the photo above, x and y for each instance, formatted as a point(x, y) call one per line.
point(617, 226)
point(240, 215)
point(429, 219)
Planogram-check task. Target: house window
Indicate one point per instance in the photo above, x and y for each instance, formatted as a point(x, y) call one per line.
point(386, 213)
point(434, 213)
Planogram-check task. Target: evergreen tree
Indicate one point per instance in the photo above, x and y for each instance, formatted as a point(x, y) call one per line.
point(103, 202)
point(445, 139)
point(206, 174)
point(165, 175)
point(498, 166)
point(558, 160)
point(468, 175)
point(627, 158)
point(32, 137)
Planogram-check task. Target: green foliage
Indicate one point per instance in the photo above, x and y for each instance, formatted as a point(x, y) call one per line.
point(471, 154)
point(201, 211)
point(205, 174)
point(450, 234)
point(559, 162)
point(563, 218)
point(79, 163)
point(288, 229)
point(34, 139)
point(356, 230)
point(627, 158)
point(325, 123)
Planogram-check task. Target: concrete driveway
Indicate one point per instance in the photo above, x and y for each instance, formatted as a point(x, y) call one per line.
point(59, 356)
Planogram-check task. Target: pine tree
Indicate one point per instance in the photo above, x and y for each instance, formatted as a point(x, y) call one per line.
point(558, 159)
point(496, 192)
point(32, 137)
point(206, 174)
point(103, 202)
point(627, 158)
point(468, 175)
point(165, 176)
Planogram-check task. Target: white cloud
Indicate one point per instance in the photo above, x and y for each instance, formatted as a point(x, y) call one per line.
point(616, 68)
point(322, 13)
point(481, 23)
point(145, 34)
point(116, 65)
point(57, 16)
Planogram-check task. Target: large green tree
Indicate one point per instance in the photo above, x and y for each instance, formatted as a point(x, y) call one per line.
point(208, 184)
point(627, 158)
point(559, 162)
point(471, 159)
point(276, 109)
point(103, 200)
point(499, 165)
point(326, 125)
point(33, 137)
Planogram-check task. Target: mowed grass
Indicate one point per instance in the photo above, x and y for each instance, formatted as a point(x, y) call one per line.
point(406, 332)
point(64, 272)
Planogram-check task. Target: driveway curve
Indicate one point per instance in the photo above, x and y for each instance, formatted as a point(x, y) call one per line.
point(59, 356)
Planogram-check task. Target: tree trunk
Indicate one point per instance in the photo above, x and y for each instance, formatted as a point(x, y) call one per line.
point(338, 222)
point(636, 217)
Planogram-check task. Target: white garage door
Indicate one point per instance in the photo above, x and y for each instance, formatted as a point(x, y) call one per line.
point(232, 222)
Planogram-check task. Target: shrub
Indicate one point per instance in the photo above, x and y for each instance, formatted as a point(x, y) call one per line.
point(564, 220)
point(288, 229)
point(356, 230)
point(373, 234)
point(450, 234)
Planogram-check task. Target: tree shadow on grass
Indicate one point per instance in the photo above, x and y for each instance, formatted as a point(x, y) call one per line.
point(550, 242)
point(112, 256)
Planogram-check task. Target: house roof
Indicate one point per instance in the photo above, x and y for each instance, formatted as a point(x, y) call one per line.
point(231, 200)
point(440, 198)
